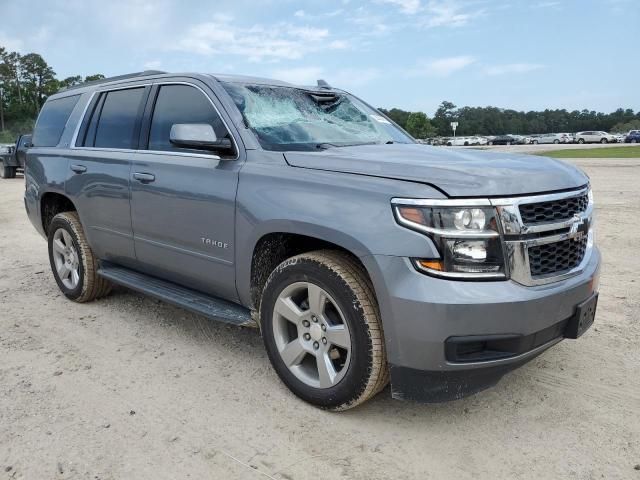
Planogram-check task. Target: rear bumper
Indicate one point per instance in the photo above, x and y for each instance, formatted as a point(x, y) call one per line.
point(424, 316)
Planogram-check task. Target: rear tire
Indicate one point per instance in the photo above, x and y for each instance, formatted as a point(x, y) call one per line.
point(73, 264)
point(299, 332)
point(535, 142)
point(556, 141)
point(633, 140)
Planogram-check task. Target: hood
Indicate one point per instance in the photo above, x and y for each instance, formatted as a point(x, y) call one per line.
point(458, 173)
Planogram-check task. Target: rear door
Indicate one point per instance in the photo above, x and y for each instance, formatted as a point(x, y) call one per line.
point(183, 200)
point(100, 165)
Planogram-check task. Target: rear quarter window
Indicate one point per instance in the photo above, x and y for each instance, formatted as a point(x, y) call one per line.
point(52, 120)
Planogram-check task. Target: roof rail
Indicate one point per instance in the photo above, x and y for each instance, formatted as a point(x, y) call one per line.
point(113, 79)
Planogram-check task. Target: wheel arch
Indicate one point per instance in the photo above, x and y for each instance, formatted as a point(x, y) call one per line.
point(51, 204)
point(284, 240)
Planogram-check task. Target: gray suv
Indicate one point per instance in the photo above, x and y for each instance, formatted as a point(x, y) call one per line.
point(362, 256)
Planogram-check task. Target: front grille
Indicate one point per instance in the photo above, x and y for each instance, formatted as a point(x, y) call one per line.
point(557, 257)
point(553, 211)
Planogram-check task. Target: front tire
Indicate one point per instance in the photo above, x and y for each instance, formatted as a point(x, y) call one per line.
point(556, 141)
point(581, 141)
point(73, 264)
point(321, 327)
point(604, 140)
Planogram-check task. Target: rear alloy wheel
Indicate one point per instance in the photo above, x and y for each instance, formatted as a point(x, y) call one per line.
point(322, 330)
point(73, 264)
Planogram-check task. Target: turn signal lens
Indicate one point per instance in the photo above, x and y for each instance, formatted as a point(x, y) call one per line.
point(432, 264)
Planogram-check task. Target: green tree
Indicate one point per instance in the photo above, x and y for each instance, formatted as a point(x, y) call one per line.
point(445, 114)
point(419, 126)
point(93, 78)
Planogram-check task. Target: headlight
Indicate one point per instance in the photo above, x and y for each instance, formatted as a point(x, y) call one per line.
point(467, 238)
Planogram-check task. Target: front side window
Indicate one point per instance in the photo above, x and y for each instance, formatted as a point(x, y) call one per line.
point(181, 104)
point(52, 120)
point(289, 118)
point(116, 125)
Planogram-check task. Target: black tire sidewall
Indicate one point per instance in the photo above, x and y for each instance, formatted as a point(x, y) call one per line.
point(355, 379)
point(56, 224)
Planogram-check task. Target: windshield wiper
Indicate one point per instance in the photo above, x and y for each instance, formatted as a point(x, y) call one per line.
point(325, 145)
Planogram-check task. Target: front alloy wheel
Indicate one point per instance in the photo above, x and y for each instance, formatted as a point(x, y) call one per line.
point(311, 335)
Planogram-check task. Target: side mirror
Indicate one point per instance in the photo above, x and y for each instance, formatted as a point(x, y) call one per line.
point(199, 136)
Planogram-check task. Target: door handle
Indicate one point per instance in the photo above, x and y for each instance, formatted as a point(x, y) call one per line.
point(144, 177)
point(78, 168)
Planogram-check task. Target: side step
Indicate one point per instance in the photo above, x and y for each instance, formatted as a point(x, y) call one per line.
point(211, 307)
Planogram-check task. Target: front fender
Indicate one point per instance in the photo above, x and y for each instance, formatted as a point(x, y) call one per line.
point(350, 211)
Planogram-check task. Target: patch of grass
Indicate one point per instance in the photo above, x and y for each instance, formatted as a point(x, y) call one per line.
point(610, 152)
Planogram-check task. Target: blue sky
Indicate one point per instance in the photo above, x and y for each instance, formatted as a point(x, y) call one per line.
point(410, 54)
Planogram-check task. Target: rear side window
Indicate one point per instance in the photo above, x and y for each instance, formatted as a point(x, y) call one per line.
point(117, 119)
point(52, 120)
point(181, 104)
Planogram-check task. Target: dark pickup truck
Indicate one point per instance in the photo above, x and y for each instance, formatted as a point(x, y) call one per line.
point(13, 160)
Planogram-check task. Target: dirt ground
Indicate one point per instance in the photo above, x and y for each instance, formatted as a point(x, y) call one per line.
point(128, 387)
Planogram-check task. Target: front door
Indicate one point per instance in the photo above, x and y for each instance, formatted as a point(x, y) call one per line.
point(183, 200)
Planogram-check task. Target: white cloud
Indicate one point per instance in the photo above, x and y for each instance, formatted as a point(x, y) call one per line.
point(346, 78)
point(299, 75)
point(406, 6)
point(441, 67)
point(152, 65)
point(11, 44)
point(317, 16)
point(447, 14)
point(512, 68)
point(257, 43)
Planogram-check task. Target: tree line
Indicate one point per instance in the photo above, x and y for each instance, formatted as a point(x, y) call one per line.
point(25, 83)
point(27, 80)
point(497, 121)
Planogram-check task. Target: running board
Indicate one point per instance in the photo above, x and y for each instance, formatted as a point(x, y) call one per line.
point(211, 307)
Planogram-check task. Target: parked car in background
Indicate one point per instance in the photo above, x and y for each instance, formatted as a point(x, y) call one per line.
point(551, 138)
point(13, 161)
point(477, 140)
point(458, 142)
point(504, 140)
point(632, 137)
point(620, 137)
point(595, 136)
point(568, 138)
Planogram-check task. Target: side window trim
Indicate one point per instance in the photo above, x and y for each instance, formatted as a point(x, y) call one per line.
point(148, 116)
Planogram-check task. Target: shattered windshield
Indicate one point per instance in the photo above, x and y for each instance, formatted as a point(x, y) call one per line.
point(288, 118)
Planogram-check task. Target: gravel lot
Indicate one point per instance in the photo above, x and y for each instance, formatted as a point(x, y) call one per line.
point(128, 387)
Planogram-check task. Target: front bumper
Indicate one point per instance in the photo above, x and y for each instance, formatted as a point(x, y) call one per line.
point(421, 313)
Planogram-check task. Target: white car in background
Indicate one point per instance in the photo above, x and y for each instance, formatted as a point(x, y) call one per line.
point(552, 138)
point(475, 140)
point(595, 136)
point(458, 142)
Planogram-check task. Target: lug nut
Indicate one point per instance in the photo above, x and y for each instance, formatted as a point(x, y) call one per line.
point(306, 323)
point(324, 327)
point(307, 336)
point(316, 345)
point(324, 340)
point(314, 318)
